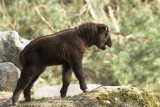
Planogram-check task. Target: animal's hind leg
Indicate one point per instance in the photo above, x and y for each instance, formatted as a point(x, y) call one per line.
point(27, 90)
point(66, 78)
point(26, 76)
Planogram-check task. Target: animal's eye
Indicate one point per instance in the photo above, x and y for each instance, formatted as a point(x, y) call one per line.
point(102, 30)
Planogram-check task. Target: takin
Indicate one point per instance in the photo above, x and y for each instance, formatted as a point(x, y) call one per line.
point(65, 48)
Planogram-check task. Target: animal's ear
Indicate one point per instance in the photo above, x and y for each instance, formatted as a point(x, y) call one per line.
point(101, 27)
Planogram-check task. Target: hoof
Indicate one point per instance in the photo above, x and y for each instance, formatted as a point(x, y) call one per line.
point(63, 96)
point(15, 104)
point(86, 90)
point(28, 99)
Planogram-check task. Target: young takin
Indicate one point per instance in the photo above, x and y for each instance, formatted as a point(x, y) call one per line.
point(65, 48)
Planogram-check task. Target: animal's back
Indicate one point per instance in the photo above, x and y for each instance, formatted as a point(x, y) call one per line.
point(52, 49)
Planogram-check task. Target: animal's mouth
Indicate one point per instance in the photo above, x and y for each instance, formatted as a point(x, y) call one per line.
point(103, 47)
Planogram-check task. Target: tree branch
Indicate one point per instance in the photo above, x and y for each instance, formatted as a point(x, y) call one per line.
point(43, 18)
point(111, 15)
point(90, 9)
point(110, 12)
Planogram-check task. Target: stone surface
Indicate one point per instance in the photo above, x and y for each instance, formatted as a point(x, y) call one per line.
point(11, 44)
point(9, 75)
point(104, 96)
point(52, 91)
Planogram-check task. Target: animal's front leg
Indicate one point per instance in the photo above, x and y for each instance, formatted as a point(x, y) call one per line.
point(77, 68)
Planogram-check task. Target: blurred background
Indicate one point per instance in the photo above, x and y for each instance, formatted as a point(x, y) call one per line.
point(133, 60)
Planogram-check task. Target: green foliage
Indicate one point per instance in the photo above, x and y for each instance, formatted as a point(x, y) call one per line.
point(134, 62)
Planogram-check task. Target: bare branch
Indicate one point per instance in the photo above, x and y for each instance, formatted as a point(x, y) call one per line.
point(43, 18)
point(111, 15)
point(90, 9)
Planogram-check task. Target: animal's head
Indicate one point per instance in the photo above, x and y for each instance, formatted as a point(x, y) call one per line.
point(94, 34)
point(102, 37)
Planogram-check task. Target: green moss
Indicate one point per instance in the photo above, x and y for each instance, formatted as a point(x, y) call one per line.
point(150, 99)
point(124, 97)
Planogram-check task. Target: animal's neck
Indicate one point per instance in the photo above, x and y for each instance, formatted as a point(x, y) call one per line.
point(86, 37)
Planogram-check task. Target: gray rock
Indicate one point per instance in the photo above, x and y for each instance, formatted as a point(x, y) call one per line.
point(9, 75)
point(11, 44)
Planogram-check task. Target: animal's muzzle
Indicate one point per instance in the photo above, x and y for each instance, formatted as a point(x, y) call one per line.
point(103, 48)
point(109, 42)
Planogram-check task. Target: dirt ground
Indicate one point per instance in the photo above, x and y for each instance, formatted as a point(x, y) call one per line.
point(5, 99)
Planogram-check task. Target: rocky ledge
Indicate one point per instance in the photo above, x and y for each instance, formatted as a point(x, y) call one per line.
point(103, 96)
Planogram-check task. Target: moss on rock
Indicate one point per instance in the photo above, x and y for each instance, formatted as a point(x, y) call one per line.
point(129, 97)
point(103, 96)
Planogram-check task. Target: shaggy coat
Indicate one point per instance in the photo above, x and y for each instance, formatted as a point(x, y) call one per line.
point(64, 48)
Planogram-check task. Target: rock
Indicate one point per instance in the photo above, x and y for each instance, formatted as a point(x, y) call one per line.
point(11, 44)
point(118, 96)
point(9, 75)
point(52, 91)
point(104, 96)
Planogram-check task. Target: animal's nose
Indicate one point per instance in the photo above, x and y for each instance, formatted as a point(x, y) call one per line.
point(109, 42)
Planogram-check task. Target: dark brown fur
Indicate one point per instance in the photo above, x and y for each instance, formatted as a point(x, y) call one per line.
point(67, 48)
